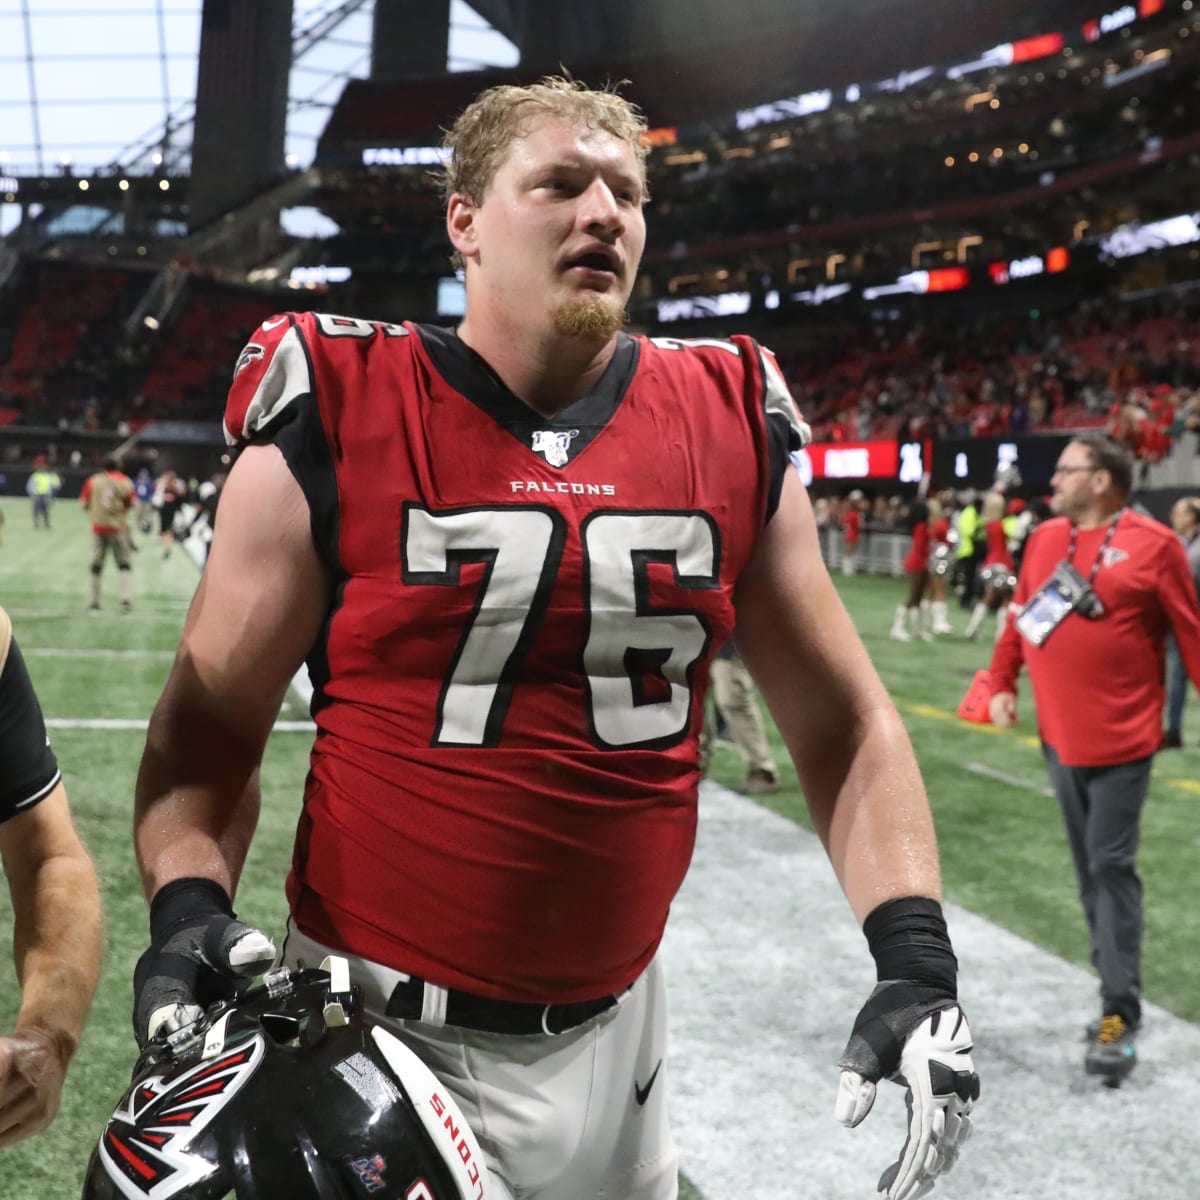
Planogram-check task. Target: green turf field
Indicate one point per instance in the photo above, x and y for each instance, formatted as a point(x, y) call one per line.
point(1002, 848)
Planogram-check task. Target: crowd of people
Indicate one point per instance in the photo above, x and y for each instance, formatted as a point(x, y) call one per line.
point(1132, 368)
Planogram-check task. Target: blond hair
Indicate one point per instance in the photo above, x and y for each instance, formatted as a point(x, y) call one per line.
point(498, 116)
point(993, 508)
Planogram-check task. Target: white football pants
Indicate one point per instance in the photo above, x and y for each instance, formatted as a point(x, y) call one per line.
point(580, 1115)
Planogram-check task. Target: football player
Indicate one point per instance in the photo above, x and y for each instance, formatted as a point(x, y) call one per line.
point(56, 908)
point(508, 553)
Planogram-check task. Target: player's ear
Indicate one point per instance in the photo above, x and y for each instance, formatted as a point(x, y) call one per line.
point(460, 225)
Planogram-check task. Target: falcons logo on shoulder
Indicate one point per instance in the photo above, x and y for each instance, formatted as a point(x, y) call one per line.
point(147, 1146)
point(251, 352)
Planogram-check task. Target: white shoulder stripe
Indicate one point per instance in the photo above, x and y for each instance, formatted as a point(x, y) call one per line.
point(285, 378)
point(41, 793)
point(778, 399)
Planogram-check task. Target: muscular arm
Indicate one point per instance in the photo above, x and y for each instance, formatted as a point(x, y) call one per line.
point(852, 754)
point(255, 615)
point(56, 949)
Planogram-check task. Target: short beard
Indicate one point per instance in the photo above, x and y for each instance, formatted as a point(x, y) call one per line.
point(589, 316)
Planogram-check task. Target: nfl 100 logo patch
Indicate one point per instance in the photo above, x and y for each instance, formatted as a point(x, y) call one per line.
point(554, 444)
point(370, 1171)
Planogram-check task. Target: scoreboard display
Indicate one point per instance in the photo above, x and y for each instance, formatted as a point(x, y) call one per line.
point(979, 462)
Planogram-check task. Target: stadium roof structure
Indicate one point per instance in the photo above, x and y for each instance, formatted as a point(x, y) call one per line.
point(106, 91)
point(87, 85)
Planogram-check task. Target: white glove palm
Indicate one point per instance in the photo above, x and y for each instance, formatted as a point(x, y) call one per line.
point(936, 1068)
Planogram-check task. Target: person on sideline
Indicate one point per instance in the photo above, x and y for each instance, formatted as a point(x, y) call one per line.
point(55, 904)
point(968, 532)
point(143, 490)
point(996, 576)
point(736, 698)
point(508, 554)
point(169, 494)
point(941, 559)
point(42, 486)
point(912, 618)
point(852, 519)
point(1185, 520)
point(1100, 586)
point(107, 497)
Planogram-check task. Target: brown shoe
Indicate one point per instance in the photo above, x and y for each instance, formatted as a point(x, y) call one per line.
point(759, 783)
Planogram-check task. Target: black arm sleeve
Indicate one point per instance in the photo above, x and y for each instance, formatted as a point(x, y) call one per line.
point(28, 768)
point(782, 439)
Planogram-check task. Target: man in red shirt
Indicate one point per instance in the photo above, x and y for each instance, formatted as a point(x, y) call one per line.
point(1099, 588)
point(508, 554)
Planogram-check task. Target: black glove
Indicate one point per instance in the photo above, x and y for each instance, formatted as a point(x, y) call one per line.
point(198, 954)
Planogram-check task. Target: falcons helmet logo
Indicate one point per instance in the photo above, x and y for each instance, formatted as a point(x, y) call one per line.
point(146, 1146)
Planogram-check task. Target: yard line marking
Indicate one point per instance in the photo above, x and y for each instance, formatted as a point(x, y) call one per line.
point(141, 724)
point(64, 652)
point(139, 615)
point(1004, 777)
point(766, 968)
point(1184, 785)
point(942, 714)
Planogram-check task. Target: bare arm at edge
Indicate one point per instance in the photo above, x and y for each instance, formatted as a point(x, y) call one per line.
point(851, 751)
point(255, 615)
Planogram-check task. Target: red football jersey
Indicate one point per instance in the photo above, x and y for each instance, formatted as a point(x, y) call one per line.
point(509, 686)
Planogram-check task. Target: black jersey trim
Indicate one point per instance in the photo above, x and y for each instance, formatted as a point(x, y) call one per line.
point(30, 768)
point(582, 421)
point(781, 440)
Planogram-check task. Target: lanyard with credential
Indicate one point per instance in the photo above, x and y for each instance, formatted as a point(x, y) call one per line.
point(1108, 537)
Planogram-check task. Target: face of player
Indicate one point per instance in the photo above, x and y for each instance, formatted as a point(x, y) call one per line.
point(560, 230)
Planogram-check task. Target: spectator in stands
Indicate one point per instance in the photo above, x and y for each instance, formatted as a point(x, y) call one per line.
point(1187, 419)
point(912, 618)
point(1096, 666)
point(55, 905)
point(1185, 520)
point(41, 488)
point(107, 497)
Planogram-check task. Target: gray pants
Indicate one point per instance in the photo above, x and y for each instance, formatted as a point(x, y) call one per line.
point(1102, 810)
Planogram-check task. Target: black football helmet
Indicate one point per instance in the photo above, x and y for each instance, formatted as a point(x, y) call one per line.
point(286, 1091)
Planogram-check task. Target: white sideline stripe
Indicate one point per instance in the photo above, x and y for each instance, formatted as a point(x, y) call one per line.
point(1004, 777)
point(766, 969)
point(302, 686)
point(164, 610)
point(61, 652)
point(139, 724)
